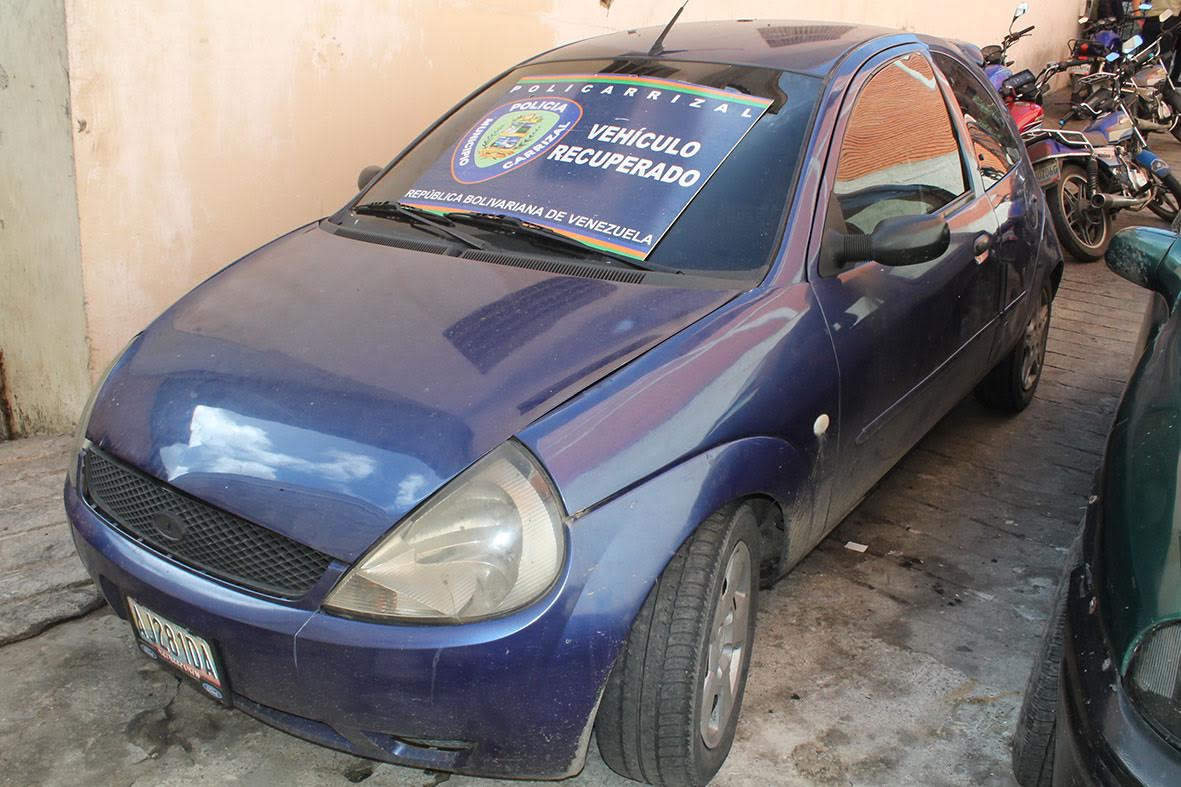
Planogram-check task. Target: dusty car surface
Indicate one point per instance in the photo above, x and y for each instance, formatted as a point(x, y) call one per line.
point(1103, 705)
point(498, 456)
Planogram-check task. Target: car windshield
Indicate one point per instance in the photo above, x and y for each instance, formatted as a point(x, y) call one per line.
point(673, 166)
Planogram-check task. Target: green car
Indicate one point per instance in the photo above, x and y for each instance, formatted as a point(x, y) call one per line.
point(1103, 704)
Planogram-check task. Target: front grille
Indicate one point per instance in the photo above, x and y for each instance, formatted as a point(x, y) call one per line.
point(210, 540)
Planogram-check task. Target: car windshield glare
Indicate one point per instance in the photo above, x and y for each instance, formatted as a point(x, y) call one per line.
point(674, 166)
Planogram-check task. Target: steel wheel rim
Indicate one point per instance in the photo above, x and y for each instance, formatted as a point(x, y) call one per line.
point(1086, 224)
point(727, 647)
point(1033, 354)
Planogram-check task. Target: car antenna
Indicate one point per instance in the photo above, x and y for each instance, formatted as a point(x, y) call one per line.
point(658, 44)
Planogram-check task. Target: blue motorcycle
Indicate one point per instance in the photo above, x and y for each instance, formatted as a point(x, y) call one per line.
point(1091, 174)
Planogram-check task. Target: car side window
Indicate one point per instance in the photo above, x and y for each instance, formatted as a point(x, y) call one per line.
point(997, 150)
point(899, 155)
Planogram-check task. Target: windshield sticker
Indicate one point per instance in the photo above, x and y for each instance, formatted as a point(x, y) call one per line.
point(609, 160)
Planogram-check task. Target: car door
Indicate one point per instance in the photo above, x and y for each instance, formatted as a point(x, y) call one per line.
point(1011, 188)
point(910, 341)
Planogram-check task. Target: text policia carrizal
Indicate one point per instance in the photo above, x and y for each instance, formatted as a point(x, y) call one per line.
point(672, 94)
point(639, 166)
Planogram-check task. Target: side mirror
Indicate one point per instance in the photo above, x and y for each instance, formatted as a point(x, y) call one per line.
point(1132, 44)
point(1148, 257)
point(896, 241)
point(367, 175)
point(1021, 10)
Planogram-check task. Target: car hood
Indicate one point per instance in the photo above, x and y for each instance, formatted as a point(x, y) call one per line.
point(323, 386)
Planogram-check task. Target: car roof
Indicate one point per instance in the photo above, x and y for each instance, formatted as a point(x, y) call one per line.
point(812, 48)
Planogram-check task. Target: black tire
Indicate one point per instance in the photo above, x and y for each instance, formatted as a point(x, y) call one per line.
point(649, 727)
point(1166, 208)
point(1033, 740)
point(1012, 383)
point(1061, 199)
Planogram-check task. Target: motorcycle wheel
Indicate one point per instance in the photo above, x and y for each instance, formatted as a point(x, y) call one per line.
point(1083, 230)
point(1167, 201)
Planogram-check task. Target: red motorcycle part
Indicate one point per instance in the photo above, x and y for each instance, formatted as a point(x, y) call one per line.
point(1026, 114)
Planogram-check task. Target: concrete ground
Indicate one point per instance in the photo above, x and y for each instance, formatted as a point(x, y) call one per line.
point(902, 664)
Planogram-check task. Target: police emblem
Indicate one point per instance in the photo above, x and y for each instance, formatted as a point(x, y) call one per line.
point(512, 135)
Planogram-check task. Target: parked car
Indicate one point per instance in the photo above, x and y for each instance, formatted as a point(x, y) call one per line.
point(1103, 704)
point(498, 455)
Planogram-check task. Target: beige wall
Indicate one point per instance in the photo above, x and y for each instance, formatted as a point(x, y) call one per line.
point(203, 128)
point(978, 21)
point(42, 329)
point(207, 128)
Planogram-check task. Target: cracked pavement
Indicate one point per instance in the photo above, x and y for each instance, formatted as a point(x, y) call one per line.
point(41, 579)
point(900, 664)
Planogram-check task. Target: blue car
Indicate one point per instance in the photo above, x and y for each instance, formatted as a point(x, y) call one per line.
point(496, 458)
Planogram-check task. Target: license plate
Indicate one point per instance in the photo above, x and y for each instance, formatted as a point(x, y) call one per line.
point(179, 648)
point(1078, 70)
point(1047, 173)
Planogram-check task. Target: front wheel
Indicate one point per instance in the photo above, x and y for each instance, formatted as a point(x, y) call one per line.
point(1167, 200)
point(671, 705)
point(1082, 228)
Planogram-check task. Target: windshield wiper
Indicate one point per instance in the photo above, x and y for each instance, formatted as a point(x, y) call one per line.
point(508, 224)
point(417, 217)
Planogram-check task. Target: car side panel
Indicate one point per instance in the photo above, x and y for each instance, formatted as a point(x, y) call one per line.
point(910, 341)
point(1140, 493)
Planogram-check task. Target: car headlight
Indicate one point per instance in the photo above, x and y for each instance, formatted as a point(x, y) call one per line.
point(489, 542)
point(84, 418)
point(1154, 680)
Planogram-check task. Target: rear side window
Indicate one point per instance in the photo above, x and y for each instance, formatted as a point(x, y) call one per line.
point(899, 155)
point(996, 148)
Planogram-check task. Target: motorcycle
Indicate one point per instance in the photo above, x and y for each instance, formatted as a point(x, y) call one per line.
point(1150, 93)
point(1020, 91)
point(1024, 91)
point(1099, 38)
point(1022, 94)
point(1089, 175)
point(996, 65)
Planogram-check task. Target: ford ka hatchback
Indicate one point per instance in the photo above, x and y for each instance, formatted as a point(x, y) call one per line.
point(496, 458)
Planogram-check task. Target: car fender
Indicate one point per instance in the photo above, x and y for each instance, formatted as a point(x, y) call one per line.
point(624, 544)
point(620, 548)
point(762, 364)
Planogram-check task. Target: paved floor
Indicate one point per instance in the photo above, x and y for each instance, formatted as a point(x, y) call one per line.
point(900, 664)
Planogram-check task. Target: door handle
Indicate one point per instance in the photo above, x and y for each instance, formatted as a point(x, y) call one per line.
point(982, 246)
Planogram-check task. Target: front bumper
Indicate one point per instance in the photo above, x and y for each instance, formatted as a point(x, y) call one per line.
point(1101, 738)
point(514, 696)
